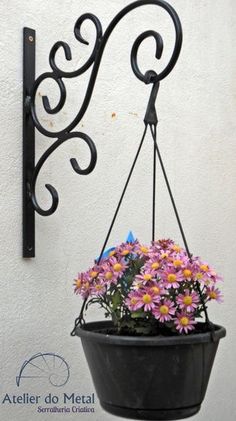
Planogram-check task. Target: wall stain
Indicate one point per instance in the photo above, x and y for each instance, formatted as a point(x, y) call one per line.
point(49, 122)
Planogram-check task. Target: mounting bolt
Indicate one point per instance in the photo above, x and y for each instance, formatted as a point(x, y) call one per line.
point(31, 38)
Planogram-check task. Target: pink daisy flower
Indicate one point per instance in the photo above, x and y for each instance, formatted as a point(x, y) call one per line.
point(215, 294)
point(178, 260)
point(125, 249)
point(203, 273)
point(188, 301)
point(184, 322)
point(213, 278)
point(164, 311)
point(153, 264)
point(171, 278)
point(79, 282)
point(108, 275)
point(98, 288)
point(118, 266)
point(176, 248)
point(133, 301)
point(164, 257)
point(204, 267)
point(157, 289)
point(141, 250)
point(146, 276)
point(148, 299)
point(94, 271)
point(188, 272)
point(83, 285)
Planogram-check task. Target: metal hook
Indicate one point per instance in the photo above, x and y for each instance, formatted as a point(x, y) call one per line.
point(151, 115)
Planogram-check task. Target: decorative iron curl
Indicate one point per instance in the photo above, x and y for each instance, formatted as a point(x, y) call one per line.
point(67, 50)
point(76, 167)
point(57, 74)
point(150, 76)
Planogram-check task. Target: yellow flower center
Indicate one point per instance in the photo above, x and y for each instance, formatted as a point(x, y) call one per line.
point(86, 285)
point(78, 283)
point(213, 295)
point(171, 277)
point(125, 252)
point(133, 300)
point(177, 263)
point(112, 253)
point(156, 290)
point(108, 275)
point(184, 321)
point(117, 267)
point(164, 255)
point(164, 309)
point(187, 273)
point(155, 265)
point(204, 268)
point(176, 248)
point(98, 287)
point(187, 300)
point(147, 299)
point(147, 277)
point(199, 275)
point(93, 274)
point(144, 249)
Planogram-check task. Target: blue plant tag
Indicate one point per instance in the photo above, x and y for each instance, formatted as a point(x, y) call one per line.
point(105, 254)
point(130, 239)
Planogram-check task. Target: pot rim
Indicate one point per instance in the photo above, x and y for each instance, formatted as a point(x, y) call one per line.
point(88, 331)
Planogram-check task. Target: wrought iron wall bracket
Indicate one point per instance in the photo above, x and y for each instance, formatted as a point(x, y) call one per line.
point(28, 143)
point(30, 117)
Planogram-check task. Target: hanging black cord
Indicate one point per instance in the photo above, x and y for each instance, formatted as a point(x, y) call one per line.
point(154, 190)
point(150, 119)
point(153, 132)
point(80, 319)
point(208, 322)
point(123, 193)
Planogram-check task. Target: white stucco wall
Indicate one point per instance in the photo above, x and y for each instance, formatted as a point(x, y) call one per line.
point(196, 109)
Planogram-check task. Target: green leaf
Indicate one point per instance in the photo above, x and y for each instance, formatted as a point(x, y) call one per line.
point(116, 300)
point(138, 315)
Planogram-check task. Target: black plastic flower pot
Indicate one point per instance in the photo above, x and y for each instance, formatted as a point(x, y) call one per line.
point(149, 378)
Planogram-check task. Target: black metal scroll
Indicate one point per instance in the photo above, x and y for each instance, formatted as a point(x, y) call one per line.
point(30, 117)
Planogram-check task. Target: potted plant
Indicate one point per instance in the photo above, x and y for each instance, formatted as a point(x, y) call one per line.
point(153, 359)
